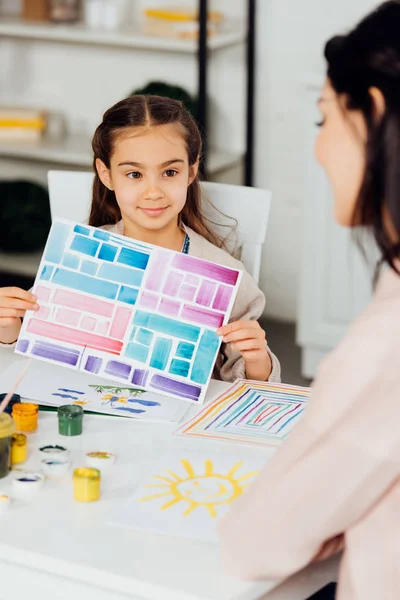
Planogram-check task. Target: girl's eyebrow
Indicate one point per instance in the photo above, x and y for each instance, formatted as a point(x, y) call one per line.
point(137, 164)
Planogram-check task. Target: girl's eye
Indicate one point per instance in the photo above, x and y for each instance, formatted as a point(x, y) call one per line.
point(170, 173)
point(320, 123)
point(134, 175)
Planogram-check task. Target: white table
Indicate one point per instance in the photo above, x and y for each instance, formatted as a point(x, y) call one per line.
point(58, 548)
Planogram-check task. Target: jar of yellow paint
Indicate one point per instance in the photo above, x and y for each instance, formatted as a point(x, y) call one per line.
point(19, 448)
point(26, 416)
point(86, 484)
point(7, 428)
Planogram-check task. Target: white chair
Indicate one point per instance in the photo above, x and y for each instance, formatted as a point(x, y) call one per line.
point(70, 195)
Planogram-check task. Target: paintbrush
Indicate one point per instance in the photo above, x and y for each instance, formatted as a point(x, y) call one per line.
point(3, 404)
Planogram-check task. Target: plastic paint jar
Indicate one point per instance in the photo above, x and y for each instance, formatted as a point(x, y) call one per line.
point(19, 448)
point(7, 428)
point(25, 416)
point(86, 484)
point(70, 419)
point(15, 399)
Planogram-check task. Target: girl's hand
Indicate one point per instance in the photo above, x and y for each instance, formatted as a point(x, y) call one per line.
point(14, 303)
point(249, 339)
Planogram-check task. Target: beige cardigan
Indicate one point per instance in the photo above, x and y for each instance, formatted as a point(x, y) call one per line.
point(339, 471)
point(249, 305)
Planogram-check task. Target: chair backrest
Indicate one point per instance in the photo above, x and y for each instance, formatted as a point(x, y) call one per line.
point(70, 195)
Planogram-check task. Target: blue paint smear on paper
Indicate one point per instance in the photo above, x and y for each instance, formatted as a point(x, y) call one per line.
point(66, 396)
point(135, 411)
point(144, 402)
point(71, 391)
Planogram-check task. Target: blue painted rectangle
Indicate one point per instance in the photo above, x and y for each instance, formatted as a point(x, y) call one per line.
point(205, 357)
point(121, 274)
point(128, 295)
point(185, 350)
point(101, 235)
point(85, 245)
point(108, 252)
point(137, 352)
point(160, 356)
point(85, 283)
point(56, 242)
point(133, 258)
point(89, 267)
point(46, 273)
point(144, 337)
point(82, 230)
point(133, 332)
point(167, 326)
point(70, 260)
point(179, 367)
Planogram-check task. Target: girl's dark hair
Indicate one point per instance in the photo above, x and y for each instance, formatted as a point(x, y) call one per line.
point(147, 111)
point(369, 56)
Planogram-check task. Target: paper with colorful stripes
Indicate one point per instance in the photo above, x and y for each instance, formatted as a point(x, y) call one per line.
point(128, 311)
point(250, 412)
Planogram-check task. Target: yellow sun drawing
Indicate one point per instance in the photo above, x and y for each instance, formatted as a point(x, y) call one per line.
point(208, 490)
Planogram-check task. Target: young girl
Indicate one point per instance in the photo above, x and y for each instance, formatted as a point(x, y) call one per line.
point(336, 482)
point(146, 159)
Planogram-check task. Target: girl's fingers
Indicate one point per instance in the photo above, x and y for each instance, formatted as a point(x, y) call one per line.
point(8, 321)
point(253, 355)
point(15, 292)
point(19, 304)
point(244, 334)
point(253, 344)
point(11, 312)
point(236, 325)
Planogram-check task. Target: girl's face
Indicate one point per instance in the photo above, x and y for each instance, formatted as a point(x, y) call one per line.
point(340, 149)
point(149, 173)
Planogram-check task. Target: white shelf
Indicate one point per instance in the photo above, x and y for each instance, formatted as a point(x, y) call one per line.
point(128, 37)
point(75, 151)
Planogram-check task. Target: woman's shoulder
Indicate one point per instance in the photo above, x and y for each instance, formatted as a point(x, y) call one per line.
point(202, 248)
point(114, 228)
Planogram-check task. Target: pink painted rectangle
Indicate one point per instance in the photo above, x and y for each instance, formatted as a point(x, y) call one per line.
point(68, 317)
point(71, 336)
point(43, 312)
point(203, 268)
point(148, 300)
point(191, 280)
point(120, 322)
point(169, 307)
point(156, 269)
point(173, 283)
point(222, 298)
point(187, 292)
point(42, 293)
point(202, 317)
point(206, 293)
point(88, 323)
point(102, 327)
point(83, 303)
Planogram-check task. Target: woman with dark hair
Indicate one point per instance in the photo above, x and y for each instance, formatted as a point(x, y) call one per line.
point(335, 484)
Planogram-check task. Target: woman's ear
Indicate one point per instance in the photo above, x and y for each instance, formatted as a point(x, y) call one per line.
point(104, 174)
point(193, 170)
point(378, 101)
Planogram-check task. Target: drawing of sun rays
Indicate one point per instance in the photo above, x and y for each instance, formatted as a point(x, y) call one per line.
point(206, 490)
point(111, 399)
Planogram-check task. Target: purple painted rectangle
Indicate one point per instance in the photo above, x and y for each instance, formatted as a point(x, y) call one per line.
point(22, 345)
point(118, 369)
point(173, 284)
point(222, 298)
point(187, 293)
point(93, 364)
point(177, 388)
point(206, 293)
point(139, 377)
point(169, 307)
point(57, 353)
point(206, 269)
point(202, 317)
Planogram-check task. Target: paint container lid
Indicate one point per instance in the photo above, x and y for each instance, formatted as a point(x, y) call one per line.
point(7, 426)
point(70, 411)
point(26, 485)
point(53, 451)
point(55, 466)
point(25, 409)
point(100, 459)
point(18, 439)
point(15, 398)
point(4, 503)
